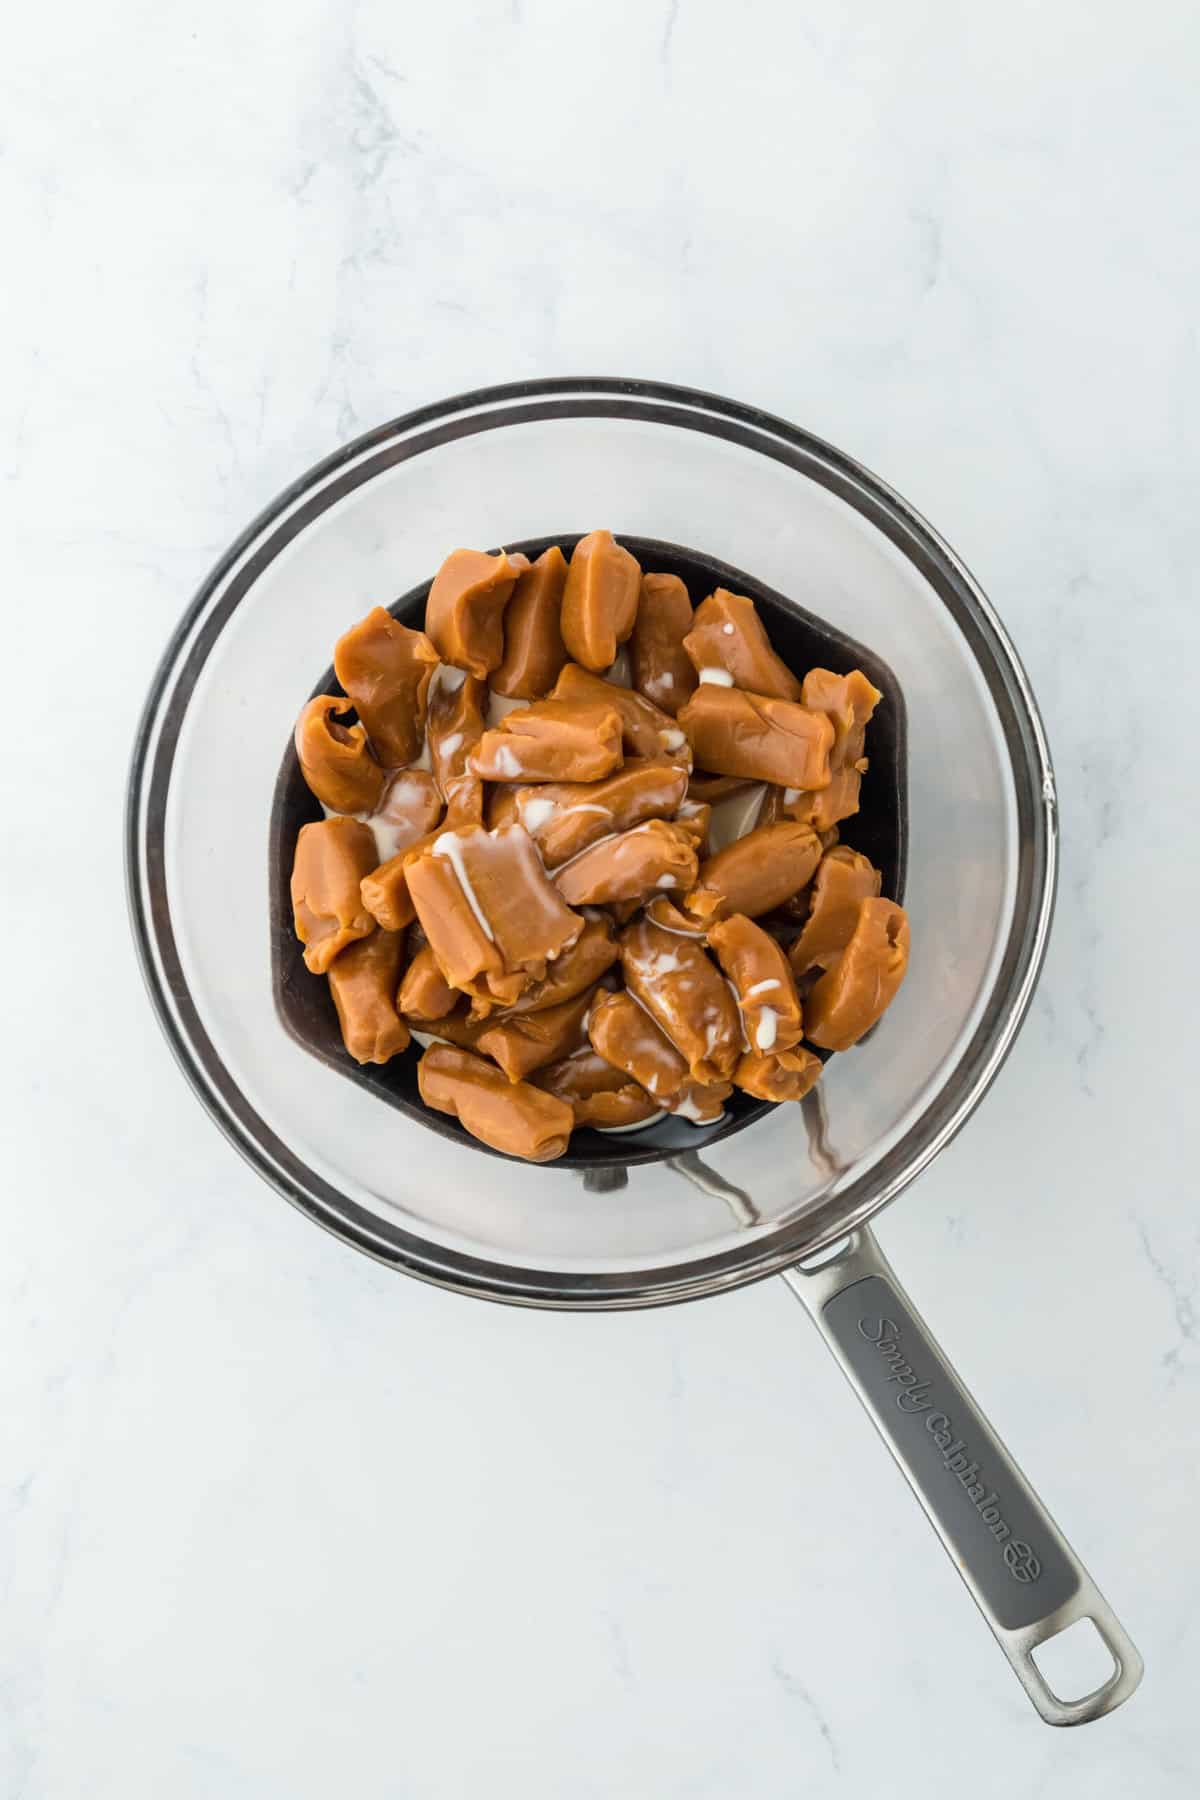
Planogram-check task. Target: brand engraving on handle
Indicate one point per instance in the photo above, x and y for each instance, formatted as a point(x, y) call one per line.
point(913, 1396)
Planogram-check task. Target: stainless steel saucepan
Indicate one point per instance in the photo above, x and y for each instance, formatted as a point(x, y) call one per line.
point(644, 1220)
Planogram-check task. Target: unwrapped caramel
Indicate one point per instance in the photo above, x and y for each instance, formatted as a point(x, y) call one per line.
point(332, 857)
point(737, 733)
point(758, 971)
point(646, 730)
point(465, 612)
point(534, 651)
point(727, 638)
point(492, 918)
point(457, 704)
point(385, 668)
point(425, 993)
point(848, 701)
point(336, 760)
point(598, 1094)
point(782, 1075)
point(842, 881)
point(662, 669)
point(515, 1117)
point(686, 997)
point(563, 818)
point(600, 599)
point(625, 1035)
point(755, 873)
point(630, 865)
point(550, 741)
point(578, 968)
point(851, 996)
point(362, 980)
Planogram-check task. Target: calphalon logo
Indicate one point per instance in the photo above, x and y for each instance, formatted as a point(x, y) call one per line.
point(913, 1397)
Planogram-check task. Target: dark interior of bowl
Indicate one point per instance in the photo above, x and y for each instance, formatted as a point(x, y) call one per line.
point(879, 830)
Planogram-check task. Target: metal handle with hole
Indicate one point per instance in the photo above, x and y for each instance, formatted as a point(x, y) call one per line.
point(1025, 1578)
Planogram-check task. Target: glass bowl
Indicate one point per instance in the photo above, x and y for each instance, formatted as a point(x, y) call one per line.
point(502, 465)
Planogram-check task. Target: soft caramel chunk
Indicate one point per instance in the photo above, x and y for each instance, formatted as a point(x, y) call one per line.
point(737, 733)
point(515, 1117)
point(843, 880)
point(597, 1094)
point(425, 993)
point(550, 741)
point(522, 1042)
point(624, 1034)
point(362, 980)
point(385, 890)
point(707, 790)
point(862, 984)
point(502, 806)
point(686, 997)
point(332, 856)
point(576, 970)
point(756, 873)
point(534, 651)
point(664, 912)
point(492, 918)
point(662, 669)
point(783, 1075)
point(600, 599)
point(336, 760)
point(695, 817)
point(563, 818)
point(848, 701)
point(456, 721)
point(465, 612)
point(629, 866)
point(762, 980)
point(409, 810)
point(385, 668)
point(727, 635)
point(645, 729)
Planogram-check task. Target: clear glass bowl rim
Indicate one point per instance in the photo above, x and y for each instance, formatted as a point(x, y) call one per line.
point(757, 1256)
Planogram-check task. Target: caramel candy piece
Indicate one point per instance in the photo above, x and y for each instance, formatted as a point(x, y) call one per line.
point(456, 724)
point(514, 1117)
point(600, 599)
point(695, 817)
point(848, 702)
point(385, 668)
point(534, 651)
point(336, 760)
point(686, 997)
point(624, 1035)
point(597, 1094)
point(851, 996)
point(662, 669)
point(465, 805)
point(576, 970)
point(665, 913)
point(550, 741)
point(522, 1042)
point(362, 980)
point(332, 856)
point(756, 873)
point(785, 1075)
point(754, 736)
point(425, 993)
point(843, 880)
point(565, 817)
point(465, 612)
point(728, 635)
point(492, 918)
point(766, 991)
point(645, 730)
point(409, 810)
point(503, 805)
point(629, 866)
point(385, 890)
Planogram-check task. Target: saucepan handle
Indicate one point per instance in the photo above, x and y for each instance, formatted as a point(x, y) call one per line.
point(1025, 1578)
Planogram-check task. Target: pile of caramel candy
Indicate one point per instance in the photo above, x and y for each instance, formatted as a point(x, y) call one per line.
point(530, 888)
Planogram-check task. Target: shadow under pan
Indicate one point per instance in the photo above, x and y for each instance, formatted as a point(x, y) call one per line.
point(879, 830)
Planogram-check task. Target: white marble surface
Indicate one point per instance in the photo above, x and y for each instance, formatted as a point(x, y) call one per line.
point(277, 1523)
